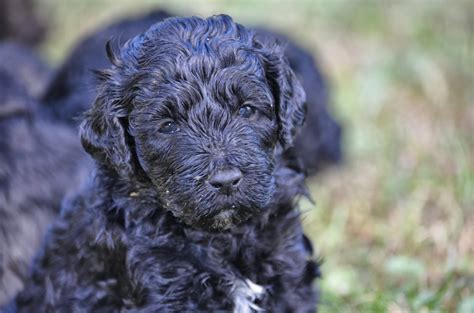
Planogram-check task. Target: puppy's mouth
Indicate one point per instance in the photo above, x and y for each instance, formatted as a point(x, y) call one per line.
point(222, 218)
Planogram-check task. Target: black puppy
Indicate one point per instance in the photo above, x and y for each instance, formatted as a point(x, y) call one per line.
point(319, 143)
point(72, 90)
point(192, 206)
point(38, 163)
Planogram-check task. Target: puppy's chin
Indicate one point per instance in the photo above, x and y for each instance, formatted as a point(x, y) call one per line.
point(223, 220)
point(217, 214)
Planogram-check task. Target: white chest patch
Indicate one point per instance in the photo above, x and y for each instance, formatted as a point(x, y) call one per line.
point(245, 294)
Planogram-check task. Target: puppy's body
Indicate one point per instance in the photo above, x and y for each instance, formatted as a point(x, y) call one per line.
point(191, 208)
point(37, 169)
point(39, 165)
point(150, 262)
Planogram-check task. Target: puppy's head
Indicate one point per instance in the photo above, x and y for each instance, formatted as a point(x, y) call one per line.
point(202, 108)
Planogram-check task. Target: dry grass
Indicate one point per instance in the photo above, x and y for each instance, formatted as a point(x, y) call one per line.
point(395, 223)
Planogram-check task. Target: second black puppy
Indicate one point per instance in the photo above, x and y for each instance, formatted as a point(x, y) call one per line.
point(40, 163)
point(192, 206)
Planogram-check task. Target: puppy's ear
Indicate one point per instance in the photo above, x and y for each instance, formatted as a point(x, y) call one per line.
point(103, 136)
point(290, 98)
point(103, 131)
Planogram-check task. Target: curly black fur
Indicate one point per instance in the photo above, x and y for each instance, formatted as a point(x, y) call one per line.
point(189, 98)
point(38, 163)
point(73, 89)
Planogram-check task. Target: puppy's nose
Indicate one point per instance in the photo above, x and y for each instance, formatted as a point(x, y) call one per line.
point(226, 179)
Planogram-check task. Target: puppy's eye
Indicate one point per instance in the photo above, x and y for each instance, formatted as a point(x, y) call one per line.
point(169, 127)
point(247, 111)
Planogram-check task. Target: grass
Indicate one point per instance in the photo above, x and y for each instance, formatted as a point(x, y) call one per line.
point(394, 223)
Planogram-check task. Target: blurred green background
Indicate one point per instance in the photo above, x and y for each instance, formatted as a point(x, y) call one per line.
point(395, 222)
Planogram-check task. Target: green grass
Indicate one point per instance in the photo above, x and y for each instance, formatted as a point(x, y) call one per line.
point(395, 223)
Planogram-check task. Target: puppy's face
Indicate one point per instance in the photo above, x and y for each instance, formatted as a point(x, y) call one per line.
point(206, 141)
point(202, 115)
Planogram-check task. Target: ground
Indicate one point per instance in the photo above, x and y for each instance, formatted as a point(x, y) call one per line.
point(395, 223)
